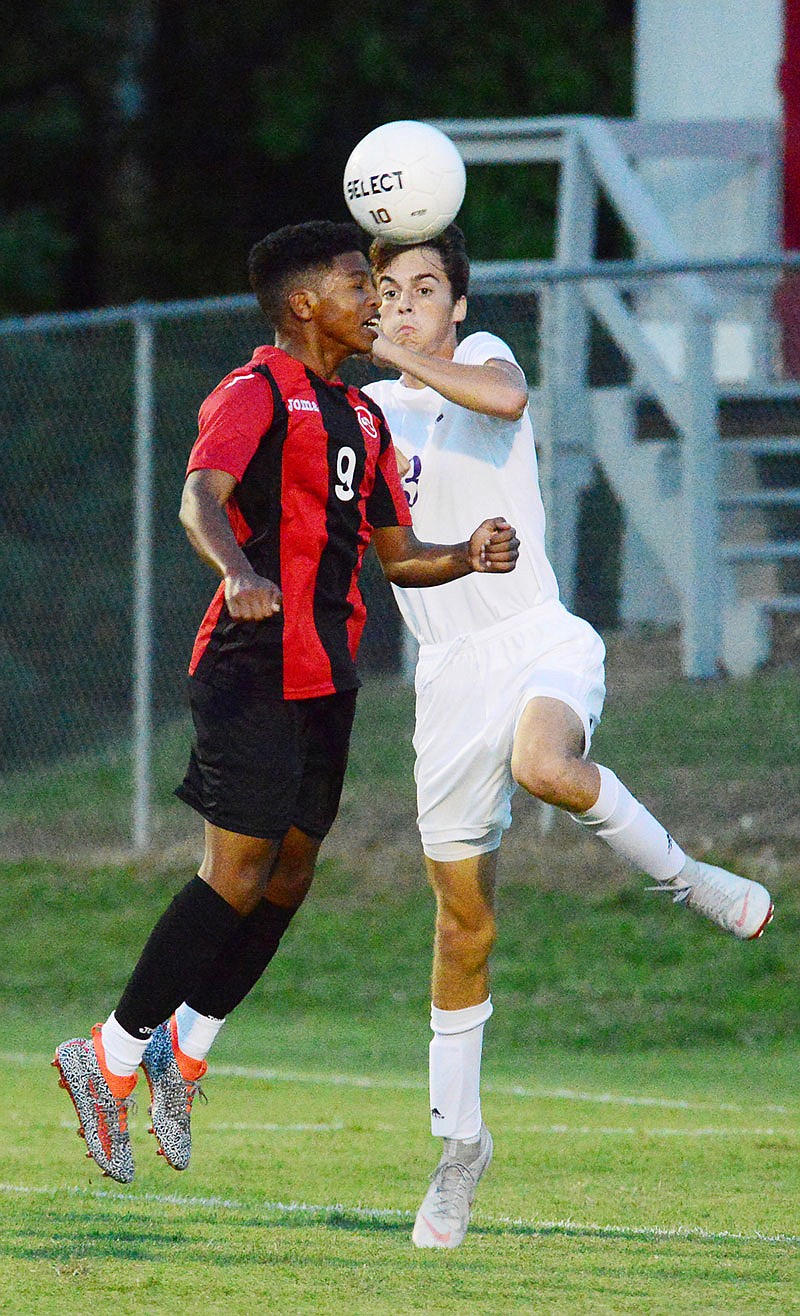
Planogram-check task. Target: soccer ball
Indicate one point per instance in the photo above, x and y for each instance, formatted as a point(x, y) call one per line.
point(405, 181)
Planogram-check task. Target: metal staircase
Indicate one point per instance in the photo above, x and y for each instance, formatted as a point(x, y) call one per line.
point(760, 501)
point(705, 462)
point(759, 510)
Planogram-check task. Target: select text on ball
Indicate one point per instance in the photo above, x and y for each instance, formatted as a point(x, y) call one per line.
point(372, 186)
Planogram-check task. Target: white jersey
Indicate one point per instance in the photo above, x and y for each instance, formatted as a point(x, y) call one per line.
point(466, 467)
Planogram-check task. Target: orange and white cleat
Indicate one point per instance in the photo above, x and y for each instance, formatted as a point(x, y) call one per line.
point(174, 1082)
point(102, 1101)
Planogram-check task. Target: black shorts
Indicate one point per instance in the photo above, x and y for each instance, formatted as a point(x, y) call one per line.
point(260, 765)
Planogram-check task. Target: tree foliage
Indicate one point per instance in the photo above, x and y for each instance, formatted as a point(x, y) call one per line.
point(145, 144)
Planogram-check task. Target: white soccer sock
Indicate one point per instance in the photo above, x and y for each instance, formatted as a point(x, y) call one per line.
point(455, 1070)
point(123, 1052)
point(631, 831)
point(196, 1032)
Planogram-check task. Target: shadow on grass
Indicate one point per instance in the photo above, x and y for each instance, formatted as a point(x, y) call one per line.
point(75, 1238)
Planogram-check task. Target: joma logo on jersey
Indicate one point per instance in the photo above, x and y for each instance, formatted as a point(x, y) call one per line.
point(301, 404)
point(367, 421)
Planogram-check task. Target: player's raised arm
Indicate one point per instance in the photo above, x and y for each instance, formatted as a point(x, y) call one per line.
point(249, 597)
point(492, 547)
point(496, 388)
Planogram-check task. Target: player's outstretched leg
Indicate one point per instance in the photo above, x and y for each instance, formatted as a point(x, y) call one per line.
point(734, 903)
point(102, 1101)
point(549, 761)
point(443, 1218)
point(174, 1082)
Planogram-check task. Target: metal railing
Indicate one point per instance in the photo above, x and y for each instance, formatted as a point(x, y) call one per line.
point(594, 155)
point(99, 593)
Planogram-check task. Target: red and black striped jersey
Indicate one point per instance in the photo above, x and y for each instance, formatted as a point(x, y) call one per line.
point(316, 472)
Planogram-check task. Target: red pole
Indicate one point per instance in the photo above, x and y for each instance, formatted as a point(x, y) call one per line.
point(787, 297)
point(790, 90)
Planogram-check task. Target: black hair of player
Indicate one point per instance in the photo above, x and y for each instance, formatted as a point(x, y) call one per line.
point(289, 251)
point(451, 246)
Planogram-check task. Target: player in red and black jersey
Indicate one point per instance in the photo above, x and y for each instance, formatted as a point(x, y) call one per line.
point(292, 475)
point(314, 475)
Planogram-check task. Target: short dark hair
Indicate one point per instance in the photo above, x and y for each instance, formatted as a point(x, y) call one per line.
point(451, 246)
point(294, 248)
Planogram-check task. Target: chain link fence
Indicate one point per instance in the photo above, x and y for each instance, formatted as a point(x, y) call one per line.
point(101, 595)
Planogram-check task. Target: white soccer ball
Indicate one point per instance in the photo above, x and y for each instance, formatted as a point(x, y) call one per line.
point(405, 181)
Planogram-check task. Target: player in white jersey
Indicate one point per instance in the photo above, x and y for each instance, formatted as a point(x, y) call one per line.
point(510, 685)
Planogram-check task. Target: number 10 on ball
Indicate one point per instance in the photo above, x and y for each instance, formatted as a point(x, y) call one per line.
point(405, 181)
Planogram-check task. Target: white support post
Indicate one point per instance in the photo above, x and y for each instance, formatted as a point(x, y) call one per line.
point(636, 207)
point(703, 592)
point(142, 581)
point(546, 419)
point(565, 357)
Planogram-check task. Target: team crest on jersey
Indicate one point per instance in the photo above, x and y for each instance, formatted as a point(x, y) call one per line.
point(367, 421)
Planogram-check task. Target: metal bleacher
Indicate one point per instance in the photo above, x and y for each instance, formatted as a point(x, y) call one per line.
point(702, 444)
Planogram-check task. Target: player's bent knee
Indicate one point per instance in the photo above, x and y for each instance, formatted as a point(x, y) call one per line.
point(253, 879)
point(289, 888)
point(467, 944)
point(293, 873)
point(549, 780)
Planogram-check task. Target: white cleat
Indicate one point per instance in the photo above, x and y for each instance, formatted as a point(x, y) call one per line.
point(443, 1218)
point(734, 903)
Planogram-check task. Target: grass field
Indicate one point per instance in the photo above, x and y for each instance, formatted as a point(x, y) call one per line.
point(641, 1068)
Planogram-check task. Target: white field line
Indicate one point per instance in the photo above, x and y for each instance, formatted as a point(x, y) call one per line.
point(396, 1083)
point(643, 1132)
point(211, 1126)
point(274, 1128)
point(322, 1212)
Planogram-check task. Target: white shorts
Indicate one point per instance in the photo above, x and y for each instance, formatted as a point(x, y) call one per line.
point(471, 693)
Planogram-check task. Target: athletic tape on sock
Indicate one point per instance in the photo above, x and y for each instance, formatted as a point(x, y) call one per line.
point(196, 1032)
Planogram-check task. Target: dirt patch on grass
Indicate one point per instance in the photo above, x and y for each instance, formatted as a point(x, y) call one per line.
point(548, 849)
point(749, 823)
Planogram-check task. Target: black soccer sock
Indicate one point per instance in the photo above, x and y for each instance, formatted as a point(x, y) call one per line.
point(241, 962)
point(183, 944)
